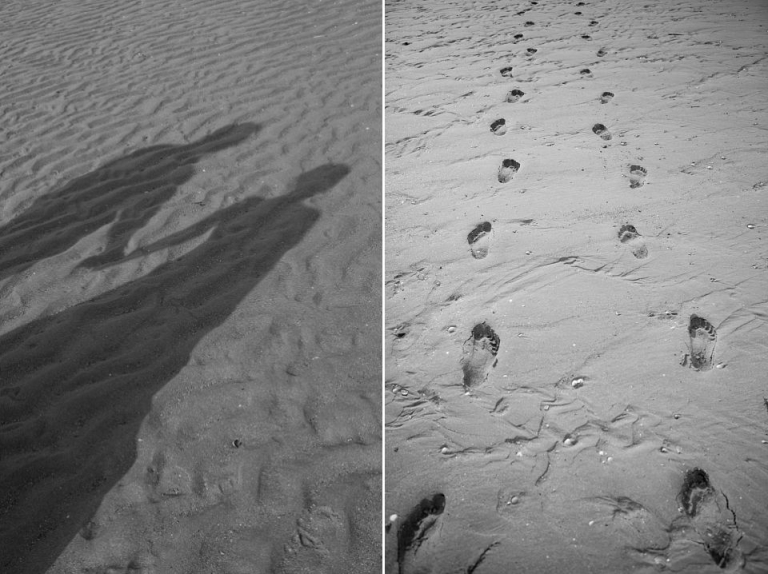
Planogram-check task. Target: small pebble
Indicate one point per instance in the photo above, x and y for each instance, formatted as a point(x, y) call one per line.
point(237, 443)
point(392, 517)
point(404, 392)
point(677, 416)
point(577, 382)
point(750, 226)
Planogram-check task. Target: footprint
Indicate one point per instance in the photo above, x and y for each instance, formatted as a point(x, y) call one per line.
point(602, 131)
point(508, 169)
point(703, 338)
point(529, 24)
point(506, 72)
point(606, 97)
point(499, 127)
point(637, 175)
point(586, 37)
point(629, 235)
point(531, 51)
point(711, 517)
point(593, 23)
point(417, 528)
point(514, 95)
point(636, 525)
point(586, 72)
point(479, 355)
point(518, 36)
point(601, 52)
point(479, 240)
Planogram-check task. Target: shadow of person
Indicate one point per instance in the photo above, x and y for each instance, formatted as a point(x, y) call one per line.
point(75, 387)
point(126, 192)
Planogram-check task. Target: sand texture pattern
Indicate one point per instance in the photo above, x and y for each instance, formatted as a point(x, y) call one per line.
point(563, 386)
point(190, 267)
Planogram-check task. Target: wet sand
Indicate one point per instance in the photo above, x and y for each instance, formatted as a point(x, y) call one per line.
point(575, 297)
point(190, 267)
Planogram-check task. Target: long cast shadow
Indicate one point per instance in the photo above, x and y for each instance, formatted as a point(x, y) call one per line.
point(126, 192)
point(75, 387)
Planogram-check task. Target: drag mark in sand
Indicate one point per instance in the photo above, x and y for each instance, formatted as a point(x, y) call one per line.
point(479, 355)
point(703, 337)
point(479, 239)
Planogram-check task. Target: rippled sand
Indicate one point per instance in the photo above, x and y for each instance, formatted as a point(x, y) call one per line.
point(190, 326)
point(575, 296)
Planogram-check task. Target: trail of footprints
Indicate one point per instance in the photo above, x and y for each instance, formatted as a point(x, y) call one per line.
point(704, 510)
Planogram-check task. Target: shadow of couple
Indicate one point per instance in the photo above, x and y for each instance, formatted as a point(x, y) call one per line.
point(75, 386)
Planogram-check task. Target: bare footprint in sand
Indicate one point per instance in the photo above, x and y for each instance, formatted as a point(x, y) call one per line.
point(479, 355)
point(702, 346)
point(514, 95)
point(506, 72)
point(499, 127)
point(601, 52)
point(629, 235)
point(416, 530)
point(585, 73)
point(637, 174)
point(636, 525)
point(508, 169)
point(708, 512)
point(479, 240)
point(602, 131)
point(606, 97)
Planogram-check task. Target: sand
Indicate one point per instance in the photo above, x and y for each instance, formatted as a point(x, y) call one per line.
point(554, 382)
point(190, 302)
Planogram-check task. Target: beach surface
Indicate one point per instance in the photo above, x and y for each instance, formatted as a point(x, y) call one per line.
point(576, 313)
point(190, 301)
